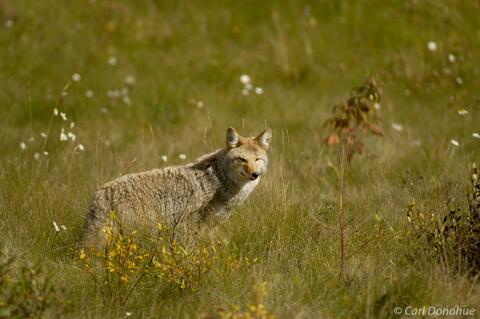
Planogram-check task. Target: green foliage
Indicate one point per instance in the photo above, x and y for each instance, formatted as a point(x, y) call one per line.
point(118, 265)
point(184, 267)
point(452, 238)
point(255, 310)
point(144, 110)
point(124, 263)
point(25, 292)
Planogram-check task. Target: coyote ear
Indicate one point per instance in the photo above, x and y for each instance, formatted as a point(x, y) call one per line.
point(264, 139)
point(233, 138)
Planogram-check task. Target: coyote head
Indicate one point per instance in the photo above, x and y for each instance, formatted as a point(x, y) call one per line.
point(246, 158)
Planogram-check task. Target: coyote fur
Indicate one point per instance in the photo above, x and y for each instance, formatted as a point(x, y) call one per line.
point(208, 187)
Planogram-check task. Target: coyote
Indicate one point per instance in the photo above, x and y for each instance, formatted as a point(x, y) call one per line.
point(208, 187)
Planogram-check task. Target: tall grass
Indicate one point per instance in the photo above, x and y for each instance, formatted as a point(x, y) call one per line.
point(306, 57)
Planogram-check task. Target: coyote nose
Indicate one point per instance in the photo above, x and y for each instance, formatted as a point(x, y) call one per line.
point(255, 175)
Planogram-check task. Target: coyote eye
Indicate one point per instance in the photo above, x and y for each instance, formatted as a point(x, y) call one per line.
point(259, 159)
point(241, 159)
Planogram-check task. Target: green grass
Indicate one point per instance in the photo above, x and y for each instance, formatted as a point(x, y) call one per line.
point(306, 57)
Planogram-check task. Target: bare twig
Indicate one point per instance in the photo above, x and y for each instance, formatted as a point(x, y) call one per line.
point(330, 228)
point(341, 211)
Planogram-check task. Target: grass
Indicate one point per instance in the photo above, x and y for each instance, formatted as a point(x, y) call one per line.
point(306, 57)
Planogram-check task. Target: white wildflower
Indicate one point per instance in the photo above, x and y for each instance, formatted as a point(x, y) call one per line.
point(44, 135)
point(451, 58)
point(63, 136)
point(128, 314)
point(55, 112)
point(455, 142)
point(81, 147)
point(89, 94)
point(56, 227)
point(63, 116)
point(130, 80)
point(397, 127)
point(377, 106)
point(164, 158)
point(112, 60)
point(432, 46)
point(462, 112)
point(36, 156)
point(244, 78)
point(199, 104)
point(76, 77)
point(248, 86)
point(45, 153)
point(72, 124)
point(23, 145)
point(258, 90)
point(72, 136)
point(126, 100)
point(113, 93)
point(459, 80)
point(476, 135)
point(182, 157)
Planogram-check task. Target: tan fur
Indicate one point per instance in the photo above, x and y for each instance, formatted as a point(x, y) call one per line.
point(210, 186)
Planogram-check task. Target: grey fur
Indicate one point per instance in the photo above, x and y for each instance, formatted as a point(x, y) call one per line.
point(210, 186)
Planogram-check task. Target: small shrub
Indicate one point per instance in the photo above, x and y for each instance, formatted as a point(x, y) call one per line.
point(184, 267)
point(125, 262)
point(350, 123)
point(119, 267)
point(25, 293)
point(256, 310)
point(453, 238)
point(356, 117)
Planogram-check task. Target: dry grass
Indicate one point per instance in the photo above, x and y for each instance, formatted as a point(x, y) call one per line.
point(306, 58)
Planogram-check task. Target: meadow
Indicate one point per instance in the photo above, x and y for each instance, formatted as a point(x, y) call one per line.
point(91, 90)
